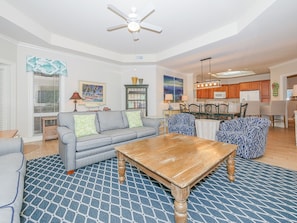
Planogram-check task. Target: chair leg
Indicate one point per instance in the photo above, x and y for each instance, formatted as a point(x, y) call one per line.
point(272, 119)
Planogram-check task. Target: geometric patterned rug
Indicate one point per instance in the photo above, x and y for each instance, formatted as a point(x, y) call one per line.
point(260, 193)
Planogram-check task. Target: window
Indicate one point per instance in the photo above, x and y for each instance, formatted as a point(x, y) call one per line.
point(46, 98)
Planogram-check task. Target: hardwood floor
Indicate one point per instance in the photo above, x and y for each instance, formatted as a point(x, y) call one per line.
point(281, 149)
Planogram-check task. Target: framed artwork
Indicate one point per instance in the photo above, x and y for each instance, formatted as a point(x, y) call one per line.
point(174, 86)
point(92, 93)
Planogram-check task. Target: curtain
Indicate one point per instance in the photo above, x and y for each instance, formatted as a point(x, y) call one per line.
point(45, 66)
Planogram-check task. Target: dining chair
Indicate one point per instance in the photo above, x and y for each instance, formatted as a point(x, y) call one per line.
point(195, 110)
point(211, 111)
point(243, 108)
point(183, 108)
point(273, 109)
point(223, 110)
point(253, 108)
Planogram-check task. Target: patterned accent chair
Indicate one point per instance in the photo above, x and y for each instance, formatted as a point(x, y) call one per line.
point(250, 134)
point(183, 123)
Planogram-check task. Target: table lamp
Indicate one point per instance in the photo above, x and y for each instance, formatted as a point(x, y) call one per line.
point(168, 98)
point(75, 96)
point(184, 98)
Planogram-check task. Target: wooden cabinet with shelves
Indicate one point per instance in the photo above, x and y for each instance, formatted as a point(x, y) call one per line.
point(49, 128)
point(136, 97)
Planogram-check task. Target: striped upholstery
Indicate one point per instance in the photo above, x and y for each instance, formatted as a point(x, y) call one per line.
point(248, 133)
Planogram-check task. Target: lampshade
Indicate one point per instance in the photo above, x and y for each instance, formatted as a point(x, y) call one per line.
point(184, 98)
point(75, 96)
point(295, 90)
point(168, 97)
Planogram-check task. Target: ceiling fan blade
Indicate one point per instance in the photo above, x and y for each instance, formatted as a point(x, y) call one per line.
point(111, 28)
point(151, 27)
point(135, 36)
point(117, 11)
point(149, 9)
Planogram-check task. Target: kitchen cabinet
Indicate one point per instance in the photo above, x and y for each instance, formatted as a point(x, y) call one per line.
point(233, 91)
point(249, 86)
point(205, 93)
point(265, 91)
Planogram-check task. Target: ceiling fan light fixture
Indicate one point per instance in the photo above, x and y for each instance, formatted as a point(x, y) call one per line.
point(133, 26)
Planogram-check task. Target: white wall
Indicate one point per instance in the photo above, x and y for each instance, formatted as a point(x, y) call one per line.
point(188, 88)
point(88, 69)
point(279, 74)
point(79, 68)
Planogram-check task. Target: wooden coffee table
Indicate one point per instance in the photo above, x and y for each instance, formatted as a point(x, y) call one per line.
point(178, 162)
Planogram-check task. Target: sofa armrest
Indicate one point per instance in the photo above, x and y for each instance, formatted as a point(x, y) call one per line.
point(11, 145)
point(152, 122)
point(66, 135)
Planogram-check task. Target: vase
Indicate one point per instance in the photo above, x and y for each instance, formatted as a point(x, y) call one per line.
point(140, 81)
point(134, 80)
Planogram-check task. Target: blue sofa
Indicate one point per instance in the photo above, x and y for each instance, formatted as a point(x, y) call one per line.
point(12, 176)
point(250, 134)
point(112, 128)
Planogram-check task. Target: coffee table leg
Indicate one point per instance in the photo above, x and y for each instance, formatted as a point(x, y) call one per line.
point(231, 166)
point(121, 167)
point(180, 203)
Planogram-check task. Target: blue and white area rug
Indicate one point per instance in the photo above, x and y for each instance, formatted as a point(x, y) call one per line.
point(260, 193)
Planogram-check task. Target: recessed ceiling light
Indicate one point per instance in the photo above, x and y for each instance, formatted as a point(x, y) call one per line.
point(234, 73)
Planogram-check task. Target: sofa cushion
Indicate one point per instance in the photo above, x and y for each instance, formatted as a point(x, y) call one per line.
point(65, 119)
point(84, 125)
point(6, 215)
point(109, 120)
point(134, 119)
point(92, 141)
point(11, 191)
point(120, 135)
point(144, 131)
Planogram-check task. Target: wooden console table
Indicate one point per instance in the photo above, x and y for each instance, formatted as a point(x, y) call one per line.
point(8, 133)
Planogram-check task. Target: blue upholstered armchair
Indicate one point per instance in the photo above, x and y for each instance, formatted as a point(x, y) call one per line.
point(248, 133)
point(183, 123)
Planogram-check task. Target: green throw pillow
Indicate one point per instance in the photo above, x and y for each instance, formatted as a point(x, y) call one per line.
point(134, 119)
point(84, 125)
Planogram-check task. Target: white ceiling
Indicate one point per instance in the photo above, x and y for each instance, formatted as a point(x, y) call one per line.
point(237, 34)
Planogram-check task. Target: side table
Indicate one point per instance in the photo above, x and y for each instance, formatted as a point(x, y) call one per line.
point(49, 128)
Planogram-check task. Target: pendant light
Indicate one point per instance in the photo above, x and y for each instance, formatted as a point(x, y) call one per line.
point(204, 84)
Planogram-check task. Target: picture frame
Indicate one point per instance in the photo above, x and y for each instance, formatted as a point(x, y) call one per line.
point(174, 86)
point(93, 93)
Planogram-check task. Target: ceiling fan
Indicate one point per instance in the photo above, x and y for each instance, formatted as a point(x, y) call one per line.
point(134, 22)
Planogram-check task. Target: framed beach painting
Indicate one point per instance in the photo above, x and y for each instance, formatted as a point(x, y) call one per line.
point(93, 93)
point(174, 86)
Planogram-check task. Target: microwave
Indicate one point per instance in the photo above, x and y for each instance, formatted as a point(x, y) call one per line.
point(219, 94)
